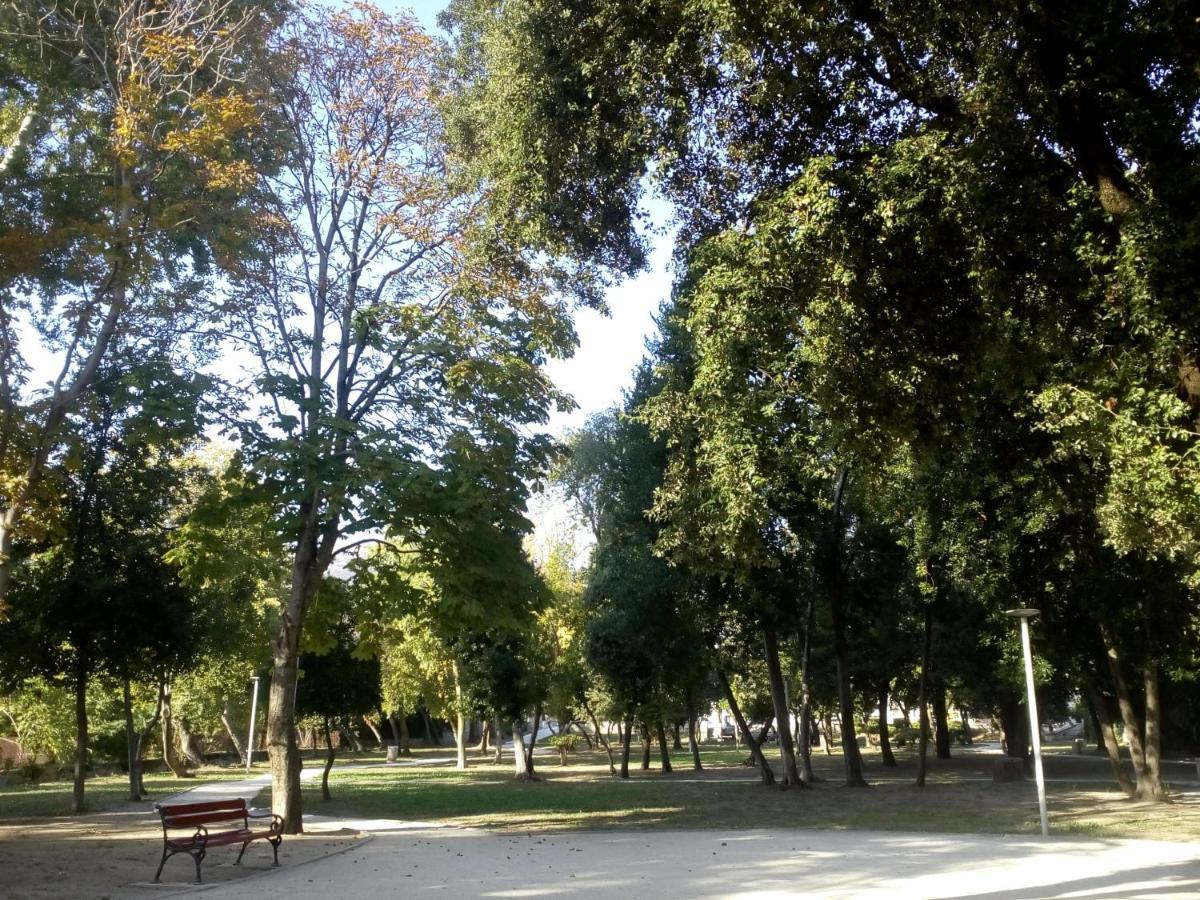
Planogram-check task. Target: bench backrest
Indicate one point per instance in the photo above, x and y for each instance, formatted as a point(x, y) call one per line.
point(189, 815)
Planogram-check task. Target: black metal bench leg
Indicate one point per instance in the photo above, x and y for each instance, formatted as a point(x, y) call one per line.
point(199, 857)
point(161, 863)
point(241, 853)
point(275, 849)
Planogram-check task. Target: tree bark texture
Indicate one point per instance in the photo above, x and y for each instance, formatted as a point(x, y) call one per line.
point(81, 740)
point(923, 698)
point(626, 741)
point(329, 756)
point(612, 769)
point(787, 753)
point(662, 747)
point(764, 768)
point(941, 740)
point(885, 740)
point(1100, 709)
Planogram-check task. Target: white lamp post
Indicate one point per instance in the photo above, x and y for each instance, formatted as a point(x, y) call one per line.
point(253, 716)
point(1034, 728)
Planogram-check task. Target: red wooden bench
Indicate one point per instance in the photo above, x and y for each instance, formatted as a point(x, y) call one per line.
point(231, 815)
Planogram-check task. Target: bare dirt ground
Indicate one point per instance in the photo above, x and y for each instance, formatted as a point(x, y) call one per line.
point(105, 855)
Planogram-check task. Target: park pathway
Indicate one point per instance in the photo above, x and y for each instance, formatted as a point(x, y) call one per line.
point(757, 863)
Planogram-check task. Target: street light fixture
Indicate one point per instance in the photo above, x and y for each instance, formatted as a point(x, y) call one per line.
point(1034, 729)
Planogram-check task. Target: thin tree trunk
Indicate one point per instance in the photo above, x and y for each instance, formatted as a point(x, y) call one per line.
point(170, 751)
point(787, 753)
point(484, 733)
point(1149, 784)
point(374, 730)
point(238, 746)
point(329, 755)
point(537, 723)
point(885, 741)
point(132, 757)
point(428, 727)
point(626, 741)
point(805, 719)
point(143, 739)
point(1108, 737)
point(395, 731)
point(612, 769)
point(662, 748)
point(966, 724)
point(676, 744)
point(941, 714)
point(693, 745)
point(851, 757)
point(460, 731)
point(768, 777)
point(499, 757)
point(922, 699)
point(644, 734)
point(81, 739)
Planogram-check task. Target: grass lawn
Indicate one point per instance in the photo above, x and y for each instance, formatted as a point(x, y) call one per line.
point(108, 793)
point(960, 797)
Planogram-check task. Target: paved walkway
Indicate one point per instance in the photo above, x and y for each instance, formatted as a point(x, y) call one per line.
point(759, 864)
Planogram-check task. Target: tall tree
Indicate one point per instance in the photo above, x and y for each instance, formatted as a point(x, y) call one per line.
point(126, 158)
point(383, 320)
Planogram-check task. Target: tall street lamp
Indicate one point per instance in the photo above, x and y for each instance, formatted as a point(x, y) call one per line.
point(1034, 729)
point(253, 716)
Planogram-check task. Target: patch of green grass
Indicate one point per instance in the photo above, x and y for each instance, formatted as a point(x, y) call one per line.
point(108, 793)
point(726, 795)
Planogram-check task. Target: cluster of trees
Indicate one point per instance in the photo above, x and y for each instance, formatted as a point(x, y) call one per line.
point(241, 224)
point(932, 349)
point(932, 352)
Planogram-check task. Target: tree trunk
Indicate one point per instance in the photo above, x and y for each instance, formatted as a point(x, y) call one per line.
point(81, 739)
point(644, 736)
point(942, 727)
point(429, 742)
point(805, 717)
point(768, 777)
point(238, 746)
point(1152, 786)
point(374, 730)
point(852, 759)
point(283, 754)
point(499, 748)
point(329, 755)
point(132, 756)
point(537, 723)
point(351, 739)
point(885, 740)
point(405, 740)
point(170, 751)
point(391, 720)
point(693, 745)
point(485, 732)
point(787, 753)
point(1149, 783)
point(626, 740)
point(1102, 712)
point(460, 721)
point(922, 699)
point(521, 771)
point(662, 748)
point(676, 744)
point(1015, 724)
point(612, 769)
point(142, 740)
point(966, 724)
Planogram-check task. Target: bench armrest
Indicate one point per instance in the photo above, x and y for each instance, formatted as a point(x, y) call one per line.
point(276, 821)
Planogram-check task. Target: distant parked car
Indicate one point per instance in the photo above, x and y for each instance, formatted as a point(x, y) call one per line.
point(727, 732)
